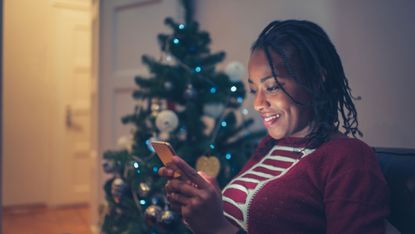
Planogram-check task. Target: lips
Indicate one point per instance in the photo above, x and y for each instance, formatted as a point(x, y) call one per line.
point(270, 119)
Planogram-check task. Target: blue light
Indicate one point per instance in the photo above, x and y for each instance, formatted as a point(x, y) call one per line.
point(198, 69)
point(244, 111)
point(228, 156)
point(181, 26)
point(212, 146)
point(143, 202)
point(240, 99)
point(224, 124)
point(155, 169)
point(213, 90)
point(138, 171)
point(176, 41)
point(136, 164)
point(233, 89)
point(149, 146)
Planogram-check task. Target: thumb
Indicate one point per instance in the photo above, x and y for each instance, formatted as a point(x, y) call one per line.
point(211, 180)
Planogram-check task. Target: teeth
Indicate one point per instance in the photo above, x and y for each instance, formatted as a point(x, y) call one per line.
point(269, 118)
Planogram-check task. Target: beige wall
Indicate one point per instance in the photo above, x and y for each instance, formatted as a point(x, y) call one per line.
point(26, 96)
point(373, 37)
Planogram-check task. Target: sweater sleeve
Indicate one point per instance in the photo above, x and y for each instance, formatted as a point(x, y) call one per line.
point(356, 195)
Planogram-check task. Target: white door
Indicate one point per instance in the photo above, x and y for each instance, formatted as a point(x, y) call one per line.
point(71, 164)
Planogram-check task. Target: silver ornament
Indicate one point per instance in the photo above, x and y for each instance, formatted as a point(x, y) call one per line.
point(143, 189)
point(152, 215)
point(167, 121)
point(190, 92)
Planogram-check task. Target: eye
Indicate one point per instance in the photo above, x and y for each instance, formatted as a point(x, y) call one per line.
point(273, 88)
point(252, 90)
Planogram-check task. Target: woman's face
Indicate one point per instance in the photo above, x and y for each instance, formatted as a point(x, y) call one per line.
point(281, 116)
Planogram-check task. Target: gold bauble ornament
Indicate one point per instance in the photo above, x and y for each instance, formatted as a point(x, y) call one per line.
point(209, 165)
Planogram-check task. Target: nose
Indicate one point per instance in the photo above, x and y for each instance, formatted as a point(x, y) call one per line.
point(260, 101)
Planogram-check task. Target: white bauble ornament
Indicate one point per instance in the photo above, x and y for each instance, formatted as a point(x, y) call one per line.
point(235, 70)
point(126, 142)
point(214, 110)
point(167, 121)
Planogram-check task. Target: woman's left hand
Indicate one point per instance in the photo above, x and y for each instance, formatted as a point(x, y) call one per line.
point(198, 197)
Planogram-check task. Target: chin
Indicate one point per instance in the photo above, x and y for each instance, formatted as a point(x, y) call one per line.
point(276, 135)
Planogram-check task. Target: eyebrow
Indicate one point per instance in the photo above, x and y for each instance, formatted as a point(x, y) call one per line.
point(262, 79)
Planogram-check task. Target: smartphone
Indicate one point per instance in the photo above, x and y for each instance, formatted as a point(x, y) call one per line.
point(165, 152)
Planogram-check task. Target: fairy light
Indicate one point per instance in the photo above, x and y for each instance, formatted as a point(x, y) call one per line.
point(213, 90)
point(233, 89)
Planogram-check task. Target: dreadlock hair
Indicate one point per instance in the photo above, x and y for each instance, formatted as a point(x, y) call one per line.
point(312, 61)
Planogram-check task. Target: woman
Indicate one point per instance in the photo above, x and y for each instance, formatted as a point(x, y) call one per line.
point(305, 176)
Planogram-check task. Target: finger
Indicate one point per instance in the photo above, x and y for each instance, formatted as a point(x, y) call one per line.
point(211, 180)
point(169, 171)
point(189, 172)
point(178, 200)
point(166, 172)
point(182, 187)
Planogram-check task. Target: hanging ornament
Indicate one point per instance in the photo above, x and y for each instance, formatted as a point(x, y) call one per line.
point(190, 92)
point(214, 110)
point(143, 189)
point(152, 214)
point(108, 166)
point(168, 85)
point(167, 121)
point(118, 188)
point(235, 70)
point(126, 142)
point(157, 106)
point(209, 124)
point(168, 219)
point(159, 200)
point(182, 134)
point(210, 165)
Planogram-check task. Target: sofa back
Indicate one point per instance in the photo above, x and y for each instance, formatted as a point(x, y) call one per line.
point(398, 166)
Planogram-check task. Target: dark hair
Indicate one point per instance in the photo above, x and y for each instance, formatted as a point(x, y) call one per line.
point(312, 61)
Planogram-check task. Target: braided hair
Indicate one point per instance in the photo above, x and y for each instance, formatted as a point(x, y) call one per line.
point(312, 61)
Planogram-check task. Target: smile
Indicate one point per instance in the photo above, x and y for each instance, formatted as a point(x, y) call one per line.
point(270, 119)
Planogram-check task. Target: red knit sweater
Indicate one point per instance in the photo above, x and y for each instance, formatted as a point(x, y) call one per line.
point(284, 188)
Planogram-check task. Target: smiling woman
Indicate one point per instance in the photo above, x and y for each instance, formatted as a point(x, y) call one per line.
point(307, 175)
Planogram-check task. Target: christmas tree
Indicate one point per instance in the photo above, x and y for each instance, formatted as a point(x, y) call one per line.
point(190, 104)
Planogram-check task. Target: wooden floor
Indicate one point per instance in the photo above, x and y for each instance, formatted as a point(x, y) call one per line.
point(42, 220)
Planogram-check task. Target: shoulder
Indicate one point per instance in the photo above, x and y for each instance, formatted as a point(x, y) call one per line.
point(347, 154)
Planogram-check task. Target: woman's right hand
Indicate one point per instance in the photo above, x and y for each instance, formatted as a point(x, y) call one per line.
point(197, 197)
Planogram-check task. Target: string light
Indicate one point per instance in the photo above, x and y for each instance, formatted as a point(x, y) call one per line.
point(198, 69)
point(228, 156)
point(181, 26)
point(150, 147)
point(143, 202)
point(224, 124)
point(176, 41)
point(245, 111)
point(233, 89)
point(212, 146)
point(213, 90)
point(240, 99)
point(136, 164)
point(155, 169)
